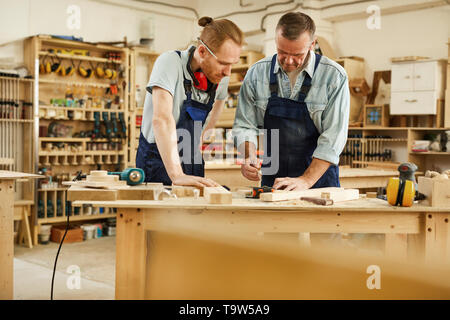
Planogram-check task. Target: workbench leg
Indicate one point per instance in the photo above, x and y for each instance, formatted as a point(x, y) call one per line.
point(6, 240)
point(131, 255)
point(437, 237)
point(396, 245)
point(25, 226)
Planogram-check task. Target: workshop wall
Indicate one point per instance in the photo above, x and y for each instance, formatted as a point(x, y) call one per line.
point(414, 33)
point(101, 20)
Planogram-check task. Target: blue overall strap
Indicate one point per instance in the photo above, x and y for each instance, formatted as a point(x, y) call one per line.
point(306, 85)
point(273, 83)
point(212, 95)
point(186, 83)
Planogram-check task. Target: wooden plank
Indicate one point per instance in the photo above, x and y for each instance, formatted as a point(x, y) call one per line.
point(142, 192)
point(341, 195)
point(316, 220)
point(6, 239)
point(217, 195)
point(10, 175)
point(131, 252)
point(336, 194)
point(437, 191)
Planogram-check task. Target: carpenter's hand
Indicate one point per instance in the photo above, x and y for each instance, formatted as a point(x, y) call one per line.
point(290, 184)
point(186, 180)
point(251, 169)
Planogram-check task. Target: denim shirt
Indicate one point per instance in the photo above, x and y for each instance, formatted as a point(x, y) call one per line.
point(328, 103)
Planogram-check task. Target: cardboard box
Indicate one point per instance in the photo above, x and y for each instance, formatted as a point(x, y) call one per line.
point(437, 191)
point(74, 234)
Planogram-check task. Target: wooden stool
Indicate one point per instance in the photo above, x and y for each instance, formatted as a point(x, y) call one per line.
point(22, 210)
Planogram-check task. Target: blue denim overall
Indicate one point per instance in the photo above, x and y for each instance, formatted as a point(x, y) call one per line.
point(297, 135)
point(148, 157)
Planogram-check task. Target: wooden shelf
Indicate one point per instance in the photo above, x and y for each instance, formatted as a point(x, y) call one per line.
point(76, 218)
point(72, 83)
point(430, 153)
point(53, 189)
point(240, 67)
point(17, 120)
point(19, 79)
point(78, 57)
point(379, 139)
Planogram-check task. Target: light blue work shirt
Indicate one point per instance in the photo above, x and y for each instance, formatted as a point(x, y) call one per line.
point(167, 74)
point(328, 103)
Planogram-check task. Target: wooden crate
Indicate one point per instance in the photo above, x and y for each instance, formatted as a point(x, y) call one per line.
point(74, 234)
point(376, 115)
point(437, 191)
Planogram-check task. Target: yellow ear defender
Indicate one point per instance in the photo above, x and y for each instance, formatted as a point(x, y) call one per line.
point(108, 73)
point(56, 67)
point(82, 71)
point(41, 67)
point(402, 191)
point(62, 72)
point(114, 75)
point(99, 71)
point(48, 67)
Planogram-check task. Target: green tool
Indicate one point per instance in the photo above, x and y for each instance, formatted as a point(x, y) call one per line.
point(133, 176)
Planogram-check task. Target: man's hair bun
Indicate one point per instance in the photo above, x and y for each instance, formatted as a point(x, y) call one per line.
point(204, 21)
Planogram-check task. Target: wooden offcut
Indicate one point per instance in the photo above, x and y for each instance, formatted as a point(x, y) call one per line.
point(217, 195)
point(437, 191)
point(333, 193)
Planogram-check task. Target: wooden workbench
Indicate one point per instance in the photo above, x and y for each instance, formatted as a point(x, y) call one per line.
point(7, 229)
point(230, 176)
point(425, 229)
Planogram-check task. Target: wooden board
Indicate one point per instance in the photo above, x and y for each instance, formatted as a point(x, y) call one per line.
point(217, 195)
point(437, 191)
point(142, 192)
point(12, 175)
point(336, 194)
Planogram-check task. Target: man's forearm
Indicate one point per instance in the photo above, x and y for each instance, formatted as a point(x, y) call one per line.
point(166, 140)
point(315, 170)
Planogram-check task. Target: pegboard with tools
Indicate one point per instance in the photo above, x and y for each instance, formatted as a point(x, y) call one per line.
point(82, 112)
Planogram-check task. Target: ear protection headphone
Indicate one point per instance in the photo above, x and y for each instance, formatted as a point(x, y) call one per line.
point(402, 191)
point(201, 82)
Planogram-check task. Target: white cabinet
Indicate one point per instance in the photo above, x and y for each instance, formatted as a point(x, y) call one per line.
point(415, 87)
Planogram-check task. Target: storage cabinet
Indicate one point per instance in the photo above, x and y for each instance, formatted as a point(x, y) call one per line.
point(416, 86)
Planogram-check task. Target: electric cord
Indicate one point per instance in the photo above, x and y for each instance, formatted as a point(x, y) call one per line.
point(57, 255)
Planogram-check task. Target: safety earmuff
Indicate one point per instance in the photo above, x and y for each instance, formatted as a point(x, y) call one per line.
point(41, 67)
point(46, 66)
point(70, 70)
point(201, 82)
point(56, 67)
point(108, 73)
point(99, 71)
point(400, 192)
point(85, 73)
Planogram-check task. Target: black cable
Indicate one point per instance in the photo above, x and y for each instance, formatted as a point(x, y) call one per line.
point(57, 254)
